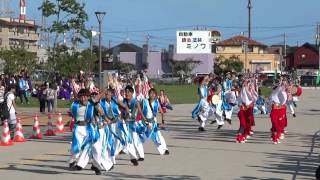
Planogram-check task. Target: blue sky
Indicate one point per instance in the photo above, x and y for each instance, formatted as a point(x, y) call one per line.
point(133, 19)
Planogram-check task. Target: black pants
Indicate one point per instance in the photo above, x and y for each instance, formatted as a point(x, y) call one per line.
point(23, 93)
point(12, 128)
point(42, 105)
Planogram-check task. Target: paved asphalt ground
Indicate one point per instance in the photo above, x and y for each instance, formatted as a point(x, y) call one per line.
point(212, 154)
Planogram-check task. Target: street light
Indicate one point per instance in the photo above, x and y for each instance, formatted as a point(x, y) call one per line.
point(93, 34)
point(100, 16)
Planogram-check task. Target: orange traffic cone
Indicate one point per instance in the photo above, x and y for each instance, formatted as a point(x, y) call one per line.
point(71, 126)
point(59, 125)
point(5, 139)
point(36, 129)
point(18, 135)
point(50, 131)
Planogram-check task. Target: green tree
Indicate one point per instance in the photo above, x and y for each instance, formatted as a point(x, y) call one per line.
point(68, 63)
point(17, 59)
point(68, 16)
point(223, 64)
point(183, 66)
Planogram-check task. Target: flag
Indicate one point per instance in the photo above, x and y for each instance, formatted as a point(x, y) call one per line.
point(318, 78)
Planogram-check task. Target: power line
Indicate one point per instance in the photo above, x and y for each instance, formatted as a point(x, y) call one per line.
point(213, 26)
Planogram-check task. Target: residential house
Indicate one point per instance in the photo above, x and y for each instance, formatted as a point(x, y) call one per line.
point(124, 52)
point(256, 57)
point(304, 58)
point(155, 63)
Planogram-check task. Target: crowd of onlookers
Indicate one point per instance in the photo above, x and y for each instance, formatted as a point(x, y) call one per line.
point(47, 92)
point(25, 88)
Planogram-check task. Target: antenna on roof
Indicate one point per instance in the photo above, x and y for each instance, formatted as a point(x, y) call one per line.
point(23, 8)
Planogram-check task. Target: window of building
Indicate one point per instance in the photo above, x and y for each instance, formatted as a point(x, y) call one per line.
point(0, 28)
point(249, 49)
point(0, 41)
point(20, 30)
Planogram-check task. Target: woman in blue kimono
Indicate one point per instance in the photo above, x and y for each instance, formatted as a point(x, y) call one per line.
point(136, 128)
point(201, 111)
point(150, 109)
point(117, 128)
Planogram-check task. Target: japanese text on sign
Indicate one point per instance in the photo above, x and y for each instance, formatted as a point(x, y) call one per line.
point(195, 42)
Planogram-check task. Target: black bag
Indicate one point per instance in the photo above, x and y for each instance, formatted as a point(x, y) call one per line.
point(4, 110)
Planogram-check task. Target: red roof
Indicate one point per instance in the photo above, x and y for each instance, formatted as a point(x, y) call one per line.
point(238, 41)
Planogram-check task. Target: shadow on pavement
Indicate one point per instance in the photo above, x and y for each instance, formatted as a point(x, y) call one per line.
point(121, 176)
point(295, 163)
point(14, 167)
point(112, 175)
point(255, 178)
point(38, 169)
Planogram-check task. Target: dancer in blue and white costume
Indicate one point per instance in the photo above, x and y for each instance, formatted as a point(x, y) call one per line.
point(121, 139)
point(136, 128)
point(228, 97)
point(150, 109)
point(86, 142)
point(201, 111)
point(216, 104)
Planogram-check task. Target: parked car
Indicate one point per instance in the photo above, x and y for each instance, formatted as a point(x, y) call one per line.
point(169, 78)
point(308, 80)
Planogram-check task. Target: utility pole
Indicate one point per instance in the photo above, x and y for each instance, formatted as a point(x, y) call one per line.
point(244, 49)
point(109, 44)
point(100, 16)
point(318, 41)
point(249, 18)
point(280, 59)
point(146, 51)
point(317, 35)
point(284, 51)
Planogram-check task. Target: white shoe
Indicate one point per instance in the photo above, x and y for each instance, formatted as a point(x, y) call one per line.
point(282, 136)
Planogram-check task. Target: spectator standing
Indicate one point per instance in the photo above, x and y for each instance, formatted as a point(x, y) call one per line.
point(23, 87)
point(42, 98)
point(34, 92)
point(2, 92)
point(55, 92)
point(49, 93)
point(29, 82)
point(16, 78)
point(6, 80)
point(10, 99)
point(12, 81)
